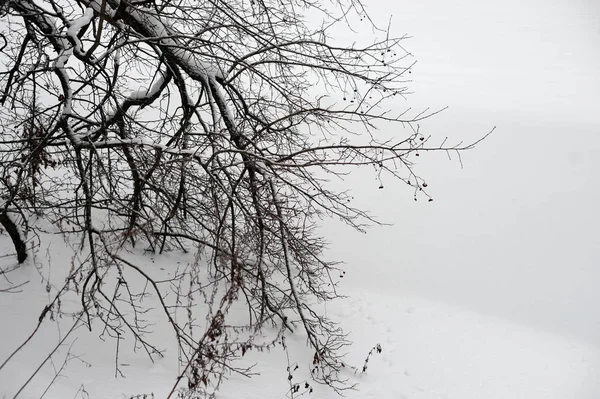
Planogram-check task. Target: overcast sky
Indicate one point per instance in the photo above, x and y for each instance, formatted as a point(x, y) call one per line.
point(516, 233)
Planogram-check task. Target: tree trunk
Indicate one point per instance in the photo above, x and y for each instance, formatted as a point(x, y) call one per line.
point(12, 230)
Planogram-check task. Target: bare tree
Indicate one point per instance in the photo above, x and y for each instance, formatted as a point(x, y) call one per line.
point(210, 125)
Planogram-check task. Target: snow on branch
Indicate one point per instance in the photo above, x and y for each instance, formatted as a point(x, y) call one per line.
point(207, 129)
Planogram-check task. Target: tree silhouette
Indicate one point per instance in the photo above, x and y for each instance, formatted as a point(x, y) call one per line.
point(204, 125)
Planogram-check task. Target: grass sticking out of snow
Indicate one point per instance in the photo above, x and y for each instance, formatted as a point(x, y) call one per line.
point(429, 351)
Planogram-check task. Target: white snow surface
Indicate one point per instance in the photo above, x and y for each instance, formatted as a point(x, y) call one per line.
point(471, 246)
point(430, 350)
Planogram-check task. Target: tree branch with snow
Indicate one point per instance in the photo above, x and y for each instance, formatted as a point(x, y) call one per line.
point(204, 126)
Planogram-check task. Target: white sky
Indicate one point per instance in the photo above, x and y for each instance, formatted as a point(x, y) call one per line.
point(516, 233)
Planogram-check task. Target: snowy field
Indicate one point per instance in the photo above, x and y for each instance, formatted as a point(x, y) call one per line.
point(489, 292)
point(429, 350)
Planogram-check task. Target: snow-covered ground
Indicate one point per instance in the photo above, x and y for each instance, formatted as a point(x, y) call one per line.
point(513, 235)
point(515, 232)
point(430, 350)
